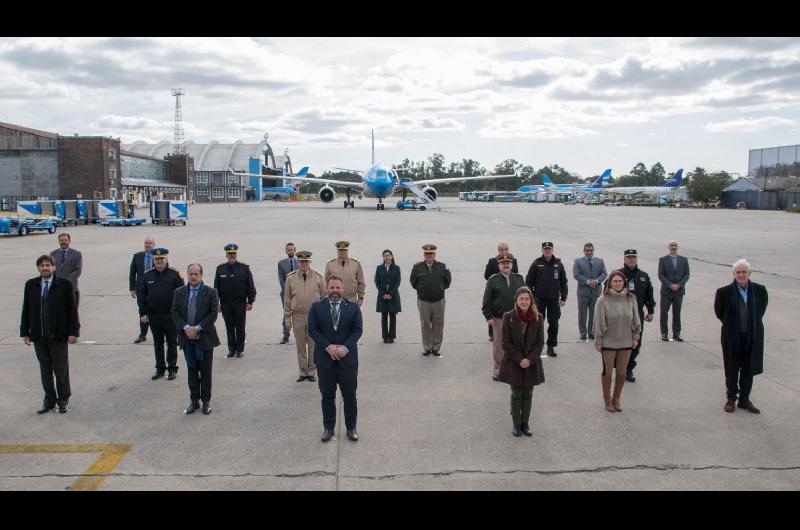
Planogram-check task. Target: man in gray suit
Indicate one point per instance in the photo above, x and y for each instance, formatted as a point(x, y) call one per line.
point(590, 272)
point(69, 263)
point(673, 271)
point(285, 266)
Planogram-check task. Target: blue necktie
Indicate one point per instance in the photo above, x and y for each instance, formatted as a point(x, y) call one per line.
point(46, 289)
point(291, 264)
point(192, 309)
point(147, 262)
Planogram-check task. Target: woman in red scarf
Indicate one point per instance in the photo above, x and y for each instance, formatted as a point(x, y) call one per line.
point(523, 339)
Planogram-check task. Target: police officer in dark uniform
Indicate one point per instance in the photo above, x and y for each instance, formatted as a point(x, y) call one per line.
point(155, 307)
point(237, 293)
point(638, 284)
point(548, 281)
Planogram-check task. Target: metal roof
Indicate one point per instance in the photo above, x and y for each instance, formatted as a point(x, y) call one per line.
point(153, 183)
point(212, 156)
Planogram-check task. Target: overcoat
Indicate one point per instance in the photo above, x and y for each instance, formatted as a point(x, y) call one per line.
point(726, 308)
point(393, 304)
point(517, 345)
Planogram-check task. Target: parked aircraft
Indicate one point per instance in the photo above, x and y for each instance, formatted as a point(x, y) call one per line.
point(283, 192)
point(548, 185)
point(671, 185)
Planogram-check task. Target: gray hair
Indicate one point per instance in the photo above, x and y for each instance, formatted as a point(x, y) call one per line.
point(194, 265)
point(741, 262)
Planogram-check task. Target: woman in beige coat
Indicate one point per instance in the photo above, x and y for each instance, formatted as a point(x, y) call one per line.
point(617, 330)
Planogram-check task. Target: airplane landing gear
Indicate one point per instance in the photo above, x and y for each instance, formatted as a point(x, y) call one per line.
point(348, 202)
point(381, 206)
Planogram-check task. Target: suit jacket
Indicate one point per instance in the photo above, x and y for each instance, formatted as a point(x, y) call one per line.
point(63, 316)
point(207, 311)
point(136, 276)
point(283, 269)
point(73, 264)
point(669, 274)
point(582, 273)
point(347, 333)
point(493, 268)
point(393, 304)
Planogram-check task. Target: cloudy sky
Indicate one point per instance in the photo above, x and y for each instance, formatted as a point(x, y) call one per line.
point(583, 103)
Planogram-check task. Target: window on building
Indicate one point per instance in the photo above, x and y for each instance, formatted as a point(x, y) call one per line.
point(233, 180)
point(202, 178)
point(112, 155)
point(202, 191)
point(218, 193)
point(233, 193)
point(112, 174)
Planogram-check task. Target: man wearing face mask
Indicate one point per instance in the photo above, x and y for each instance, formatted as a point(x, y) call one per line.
point(638, 283)
point(740, 306)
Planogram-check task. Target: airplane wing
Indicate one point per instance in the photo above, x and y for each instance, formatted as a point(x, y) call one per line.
point(457, 179)
point(311, 180)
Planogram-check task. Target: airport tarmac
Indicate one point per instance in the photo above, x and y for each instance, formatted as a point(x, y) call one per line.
point(425, 423)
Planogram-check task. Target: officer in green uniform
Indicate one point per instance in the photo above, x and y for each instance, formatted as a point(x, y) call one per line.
point(498, 298)
point(430, 278)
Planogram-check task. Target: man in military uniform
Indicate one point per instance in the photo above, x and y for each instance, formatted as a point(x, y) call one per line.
point(303, 287)
point(349, 270)
point(430, 278)
point(237, 294)
point(498, 298)
point(493, 268)
point(548, 281)
point(155, 307)
point(638, 284)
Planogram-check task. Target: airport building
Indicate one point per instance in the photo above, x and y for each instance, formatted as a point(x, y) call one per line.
point(781, 161)
point(212, 181)
point(37, 164)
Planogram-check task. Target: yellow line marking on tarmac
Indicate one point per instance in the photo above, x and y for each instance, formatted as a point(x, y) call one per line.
point(92, 479)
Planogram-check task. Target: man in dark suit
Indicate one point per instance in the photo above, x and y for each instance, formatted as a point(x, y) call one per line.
point(286, 266)
point(493, 268)
point(673, 271)
point(335, 324)
point(194, 309)
point(140, 264)
point(50, 321)
point(237, 293)
point(740, 306)
point(69, 263)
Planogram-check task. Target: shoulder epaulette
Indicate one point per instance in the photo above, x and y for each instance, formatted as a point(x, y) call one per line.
point(331, 260)
point(354, 259)
point(291, 273)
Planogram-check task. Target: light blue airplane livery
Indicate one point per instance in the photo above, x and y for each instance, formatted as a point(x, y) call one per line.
point(380, 182)
point(548, 185)
point(671, 185)
point(283, 192)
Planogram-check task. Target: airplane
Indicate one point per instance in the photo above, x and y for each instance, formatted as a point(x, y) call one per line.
point(548, 185)
point(671, 185)
point(283, 192)
point(380, 182)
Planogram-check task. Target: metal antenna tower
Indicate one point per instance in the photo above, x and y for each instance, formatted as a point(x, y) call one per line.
point(180, 144)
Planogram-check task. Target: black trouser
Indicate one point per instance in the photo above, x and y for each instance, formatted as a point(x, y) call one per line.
point(200, 378)
point(491, 331)
point(550, 308)
point(234, 315)
point(53, 361)
point(143, 328)
point(740, 371)
point(77, 298)
point(675, 300)
point(521, 403)
point(163, 328)
point(389, 329)
point(635, 351)
point(347, 379)
point(283, 321)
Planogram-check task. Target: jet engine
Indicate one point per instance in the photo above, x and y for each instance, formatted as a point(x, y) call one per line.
point(430, 192)
point(326, 194)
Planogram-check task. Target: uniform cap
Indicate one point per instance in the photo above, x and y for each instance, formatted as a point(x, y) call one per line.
point(304, 255)
point(547, 244)
point(630, 252)
point(429, 248)
point(505, 258)
point(342, 245)
point(231, 247)
point(160, 252)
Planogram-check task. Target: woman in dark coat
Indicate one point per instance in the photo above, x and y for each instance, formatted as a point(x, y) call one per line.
point(387, 280)
point(523, 339)
point(740, 306)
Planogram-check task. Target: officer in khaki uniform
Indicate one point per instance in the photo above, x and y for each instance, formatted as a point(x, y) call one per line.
point(430, 278)
point(303, 287)
point(349, 270)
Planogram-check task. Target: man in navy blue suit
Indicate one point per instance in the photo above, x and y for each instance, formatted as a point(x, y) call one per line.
point(335, 324)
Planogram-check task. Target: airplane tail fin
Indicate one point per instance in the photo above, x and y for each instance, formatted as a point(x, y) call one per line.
point(373, 147)
point(546, 180)
point(675, 181)
point(302, 173)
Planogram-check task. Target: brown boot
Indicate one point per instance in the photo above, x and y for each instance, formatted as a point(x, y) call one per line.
point(606, 380)
point(618, 382)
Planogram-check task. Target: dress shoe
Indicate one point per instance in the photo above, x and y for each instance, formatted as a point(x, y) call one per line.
point(284, 340)
point(436, 353)
point(157, 374)
point(386, 341)
point(353, 435)
point(591, 337)
point(664, 337)
point(206, 408)
point(495, 378)
point(516, 431)
point(678, 338)
point(583, 337)
point(311, 379)
point(63, 408)
point(300, 379)
point(230, 354)
point(629, 377)
point(239, 354)
point(139, 339)
point(391, 341)
point(427, 352)
point(730, 406)
point(526, 430)
point(193, 406)
point(327, 435)
point(748, 406)
point(45, 408)
point(551, 351)
point(172, 375)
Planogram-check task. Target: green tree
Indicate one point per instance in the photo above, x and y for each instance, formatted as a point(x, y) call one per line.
point(656, 175)
point(705, 187)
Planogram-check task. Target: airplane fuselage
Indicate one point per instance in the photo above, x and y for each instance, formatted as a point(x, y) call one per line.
point(379, 182)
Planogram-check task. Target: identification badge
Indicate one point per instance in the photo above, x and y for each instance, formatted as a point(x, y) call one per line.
point(223, 275)
point(151, 281)
point(555, 275)
point(631, 285)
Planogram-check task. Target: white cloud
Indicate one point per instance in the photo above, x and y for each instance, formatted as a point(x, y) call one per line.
point(749, 125)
